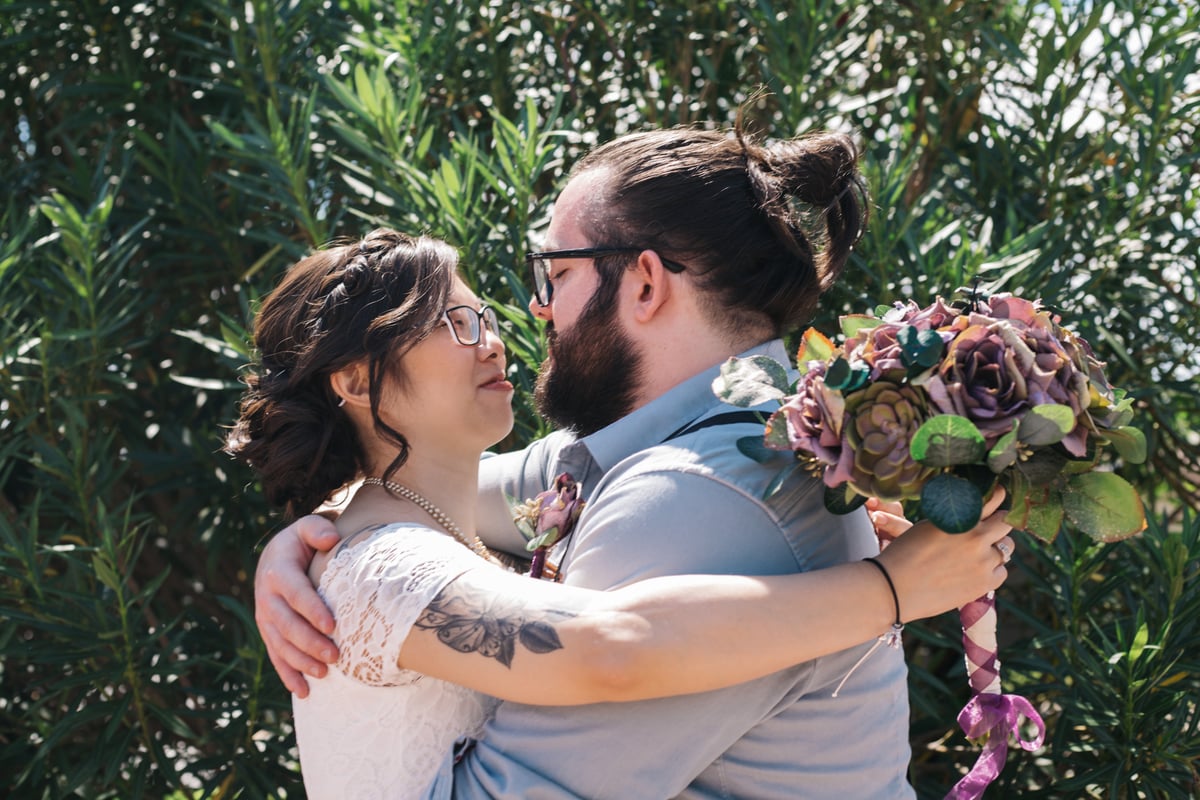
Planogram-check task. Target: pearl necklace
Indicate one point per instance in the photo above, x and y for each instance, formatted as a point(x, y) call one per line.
point(475, 546)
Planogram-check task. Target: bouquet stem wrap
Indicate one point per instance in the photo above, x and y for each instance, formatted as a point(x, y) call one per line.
point(989, 715)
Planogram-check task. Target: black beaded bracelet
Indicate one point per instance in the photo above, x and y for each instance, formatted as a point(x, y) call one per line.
point(895, 597)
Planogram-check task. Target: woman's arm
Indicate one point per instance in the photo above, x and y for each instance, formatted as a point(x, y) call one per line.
point(550, 644)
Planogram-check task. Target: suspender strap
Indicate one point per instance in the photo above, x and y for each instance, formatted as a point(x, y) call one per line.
point(728, 418)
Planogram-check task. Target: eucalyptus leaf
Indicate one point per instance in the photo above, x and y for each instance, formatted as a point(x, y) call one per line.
point(1129, 442)
point(1044, 519)
point(920, 349)
point(1046, 424)
point(946, 440)
point(753, 447)
point(748, 382)
point(853, 323)
point(1044, 466)
point(846, 378)
point(842, 499)
point(1004, 453)
point(1104, 506)
point(951, 503)
point(775, 434)
point(814, 346)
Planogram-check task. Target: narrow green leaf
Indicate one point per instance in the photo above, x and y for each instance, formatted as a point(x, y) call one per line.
point(946, 440)
point(753, 448)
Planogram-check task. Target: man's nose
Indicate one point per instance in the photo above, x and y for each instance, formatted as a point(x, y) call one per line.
point(540, 311)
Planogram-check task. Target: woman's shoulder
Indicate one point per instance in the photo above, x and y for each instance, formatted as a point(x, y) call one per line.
point(408, 556)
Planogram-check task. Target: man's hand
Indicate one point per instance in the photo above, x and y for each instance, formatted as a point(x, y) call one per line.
point(292, 619)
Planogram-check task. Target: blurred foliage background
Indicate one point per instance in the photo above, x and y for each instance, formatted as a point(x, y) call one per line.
point(167, 159)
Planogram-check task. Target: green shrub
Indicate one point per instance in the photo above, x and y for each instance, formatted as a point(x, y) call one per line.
point(166, 161)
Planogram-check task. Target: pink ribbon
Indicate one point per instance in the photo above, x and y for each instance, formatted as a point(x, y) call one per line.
point(994, 716)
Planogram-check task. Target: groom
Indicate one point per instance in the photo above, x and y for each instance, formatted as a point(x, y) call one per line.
point(669, 252)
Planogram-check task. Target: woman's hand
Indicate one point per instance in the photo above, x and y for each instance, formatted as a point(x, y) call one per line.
point(936, 571)
point(292, 619)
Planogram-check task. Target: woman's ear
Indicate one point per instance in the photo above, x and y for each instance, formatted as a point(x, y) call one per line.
point(352, 384)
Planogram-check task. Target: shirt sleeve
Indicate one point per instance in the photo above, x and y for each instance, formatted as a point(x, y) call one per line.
point(642, 525)
point(507, 479)
point(377, 590)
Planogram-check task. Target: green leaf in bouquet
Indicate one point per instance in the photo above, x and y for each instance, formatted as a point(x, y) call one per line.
point(1044, 466)
point(1046, 424)
point(775, 435)
point(882, 309)
point(1104, 506)
point(946, 440)
point(752, 447)
point(1130, 443)
point(1004, 453)
point(1033, 509)
point(919, 349)
point(814, 346)
point(1044, 520)
point(951, 503)
point(853, 323)
point(846, 378)
point(747, 382)
point(842, 499)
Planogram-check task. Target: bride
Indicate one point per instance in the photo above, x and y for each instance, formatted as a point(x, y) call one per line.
point(377, 362)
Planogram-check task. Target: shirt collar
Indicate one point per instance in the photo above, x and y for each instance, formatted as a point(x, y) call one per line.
point(655, 421)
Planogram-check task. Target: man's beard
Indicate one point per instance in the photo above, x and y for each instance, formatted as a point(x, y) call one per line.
point(592, 375)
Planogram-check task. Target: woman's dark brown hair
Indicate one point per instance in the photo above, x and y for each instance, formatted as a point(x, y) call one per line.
point(764, 228)
point(373, 299)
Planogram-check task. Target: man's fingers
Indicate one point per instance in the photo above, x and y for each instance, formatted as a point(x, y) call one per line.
point(288, 663)
point(302, 600)
point(316, 532)
point(298, 633)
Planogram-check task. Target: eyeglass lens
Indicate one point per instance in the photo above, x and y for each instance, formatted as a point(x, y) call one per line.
point(464, 323)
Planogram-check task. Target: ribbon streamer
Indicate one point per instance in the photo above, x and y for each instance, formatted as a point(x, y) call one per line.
point(989, 715)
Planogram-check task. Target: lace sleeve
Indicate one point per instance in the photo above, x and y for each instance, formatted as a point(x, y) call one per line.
point(379, 587)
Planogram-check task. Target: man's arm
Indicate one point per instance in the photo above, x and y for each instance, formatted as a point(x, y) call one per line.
point(639, 526)
point(294, 622)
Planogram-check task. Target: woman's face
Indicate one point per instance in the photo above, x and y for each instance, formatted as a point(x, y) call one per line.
point(455, 398)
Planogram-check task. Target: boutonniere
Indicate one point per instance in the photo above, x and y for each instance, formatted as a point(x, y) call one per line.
point(548, 518)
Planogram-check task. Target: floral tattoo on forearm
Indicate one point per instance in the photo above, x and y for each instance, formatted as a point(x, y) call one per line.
point(473, 622)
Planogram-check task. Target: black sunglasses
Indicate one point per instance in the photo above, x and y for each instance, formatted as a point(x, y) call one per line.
point(539, 263)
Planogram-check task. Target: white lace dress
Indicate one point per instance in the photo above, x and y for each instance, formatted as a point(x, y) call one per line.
point(370, 729)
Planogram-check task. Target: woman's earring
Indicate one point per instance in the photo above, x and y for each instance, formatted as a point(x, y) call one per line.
point(341, 402)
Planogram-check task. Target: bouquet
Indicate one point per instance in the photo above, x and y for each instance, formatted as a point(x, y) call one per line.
point(936, 406)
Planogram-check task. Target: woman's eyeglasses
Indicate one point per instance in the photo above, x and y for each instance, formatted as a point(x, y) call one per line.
point(467, 324)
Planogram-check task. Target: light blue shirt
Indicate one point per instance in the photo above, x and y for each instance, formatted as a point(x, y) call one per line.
point(693, 505)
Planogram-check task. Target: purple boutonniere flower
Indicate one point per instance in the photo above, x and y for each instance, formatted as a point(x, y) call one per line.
point(549, 518)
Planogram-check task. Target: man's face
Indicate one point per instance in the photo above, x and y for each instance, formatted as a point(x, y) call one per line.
point(590, 376)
